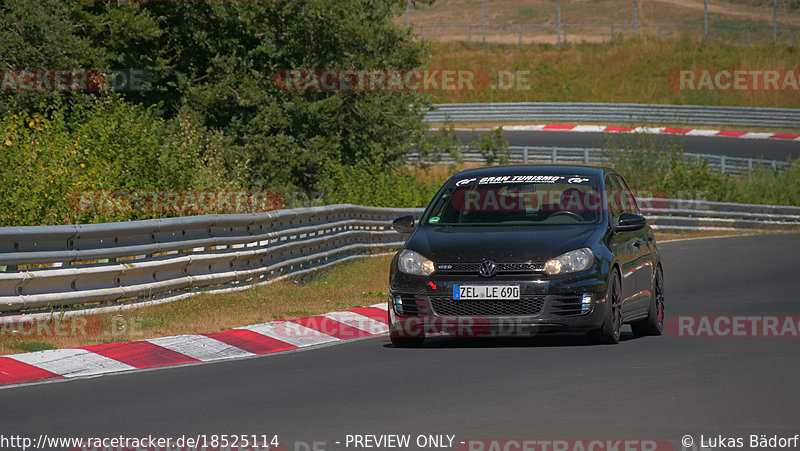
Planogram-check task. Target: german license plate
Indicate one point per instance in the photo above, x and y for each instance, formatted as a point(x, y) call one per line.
point(486, 292)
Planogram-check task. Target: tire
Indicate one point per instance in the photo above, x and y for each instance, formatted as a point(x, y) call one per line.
point(406, 342)
point(609, 332)
point(654, 323)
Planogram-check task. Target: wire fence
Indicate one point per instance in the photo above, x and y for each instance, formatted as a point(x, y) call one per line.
point(556, 25)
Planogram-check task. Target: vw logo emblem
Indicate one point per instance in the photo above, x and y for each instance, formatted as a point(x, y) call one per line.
point(488, 268)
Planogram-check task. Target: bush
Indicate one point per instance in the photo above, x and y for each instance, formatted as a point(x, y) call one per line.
point(50, 158)
point(492, 146)
point(369, 184)
point(650, 163)
point(766, 186)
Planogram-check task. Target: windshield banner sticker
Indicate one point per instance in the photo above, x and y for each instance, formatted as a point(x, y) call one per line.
point(522, 179)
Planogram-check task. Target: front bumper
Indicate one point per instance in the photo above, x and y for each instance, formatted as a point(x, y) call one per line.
point(421, 307)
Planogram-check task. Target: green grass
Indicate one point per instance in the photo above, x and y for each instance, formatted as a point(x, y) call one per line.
point(33, 346)
point(350, 284)
point(625, 70)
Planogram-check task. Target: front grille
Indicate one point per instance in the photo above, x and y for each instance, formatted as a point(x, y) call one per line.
point(566, 305)
point(526, 305)
point(462, 267)
point(473, 268)
point(519, 267)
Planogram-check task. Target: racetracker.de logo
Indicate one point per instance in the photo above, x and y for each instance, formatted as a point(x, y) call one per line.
point(175, 201)
point(51, 326)
point(714, 326)
point(75, 80)
point(734, 80)
point(396, 80)
point(572, 199)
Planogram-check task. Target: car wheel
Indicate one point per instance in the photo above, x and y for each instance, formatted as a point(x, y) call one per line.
point(609, 332)
point(654, 323)
point(406, 342)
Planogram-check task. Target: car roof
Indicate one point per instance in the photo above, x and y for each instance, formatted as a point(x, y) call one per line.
point(552, 169)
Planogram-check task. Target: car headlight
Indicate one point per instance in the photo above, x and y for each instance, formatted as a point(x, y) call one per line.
point(572, 261)
point(411, 262)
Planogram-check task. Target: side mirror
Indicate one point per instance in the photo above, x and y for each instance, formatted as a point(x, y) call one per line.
point(404, 224)
point(630, 221)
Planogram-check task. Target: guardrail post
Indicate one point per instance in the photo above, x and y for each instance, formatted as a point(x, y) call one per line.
point(525, 156)
point(749, 166)
point(659, 32)
point(585, 156)
point(555, 155)
point(483, 22)
point(635, 17)
point(469, 33)
point(722, 164)
point(749, 43)
point(520, 34)
point(421, 31)
point(558, 20)
point(705, 19)
point(774, 21)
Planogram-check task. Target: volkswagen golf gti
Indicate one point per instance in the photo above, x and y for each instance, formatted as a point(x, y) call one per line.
point(523, 250)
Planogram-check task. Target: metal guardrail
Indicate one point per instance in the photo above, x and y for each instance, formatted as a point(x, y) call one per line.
point(632, 113)
point(735, 166)
point(49, 266)
point(108, 264)
point(682, 215)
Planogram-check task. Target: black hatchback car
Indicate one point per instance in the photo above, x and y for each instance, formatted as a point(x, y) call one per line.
point(522, 250)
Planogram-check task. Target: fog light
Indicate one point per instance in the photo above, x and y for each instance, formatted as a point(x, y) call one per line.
point(397, 302)
point(586, 302)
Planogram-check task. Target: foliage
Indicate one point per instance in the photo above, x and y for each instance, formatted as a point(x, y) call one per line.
point(653, 164)
point(48, 164)
point(492, 146)
point(368, 184)
point(443, 142)
point(210, 112)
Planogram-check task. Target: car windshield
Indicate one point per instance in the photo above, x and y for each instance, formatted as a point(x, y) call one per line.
point(518, 199)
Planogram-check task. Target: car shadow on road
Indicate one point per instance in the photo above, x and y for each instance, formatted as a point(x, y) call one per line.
point(537, 341)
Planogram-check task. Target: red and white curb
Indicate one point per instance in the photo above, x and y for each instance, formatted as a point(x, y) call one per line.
point(651, 130)
point(248, 341)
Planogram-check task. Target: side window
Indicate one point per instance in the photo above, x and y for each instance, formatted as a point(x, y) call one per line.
point(612, 195)
point(626, 197)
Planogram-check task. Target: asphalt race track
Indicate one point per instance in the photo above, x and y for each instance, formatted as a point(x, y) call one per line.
point(555, 387)
point(771, 149)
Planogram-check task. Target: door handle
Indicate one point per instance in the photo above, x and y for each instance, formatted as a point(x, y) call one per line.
point(650, 238)
point(637, 244)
